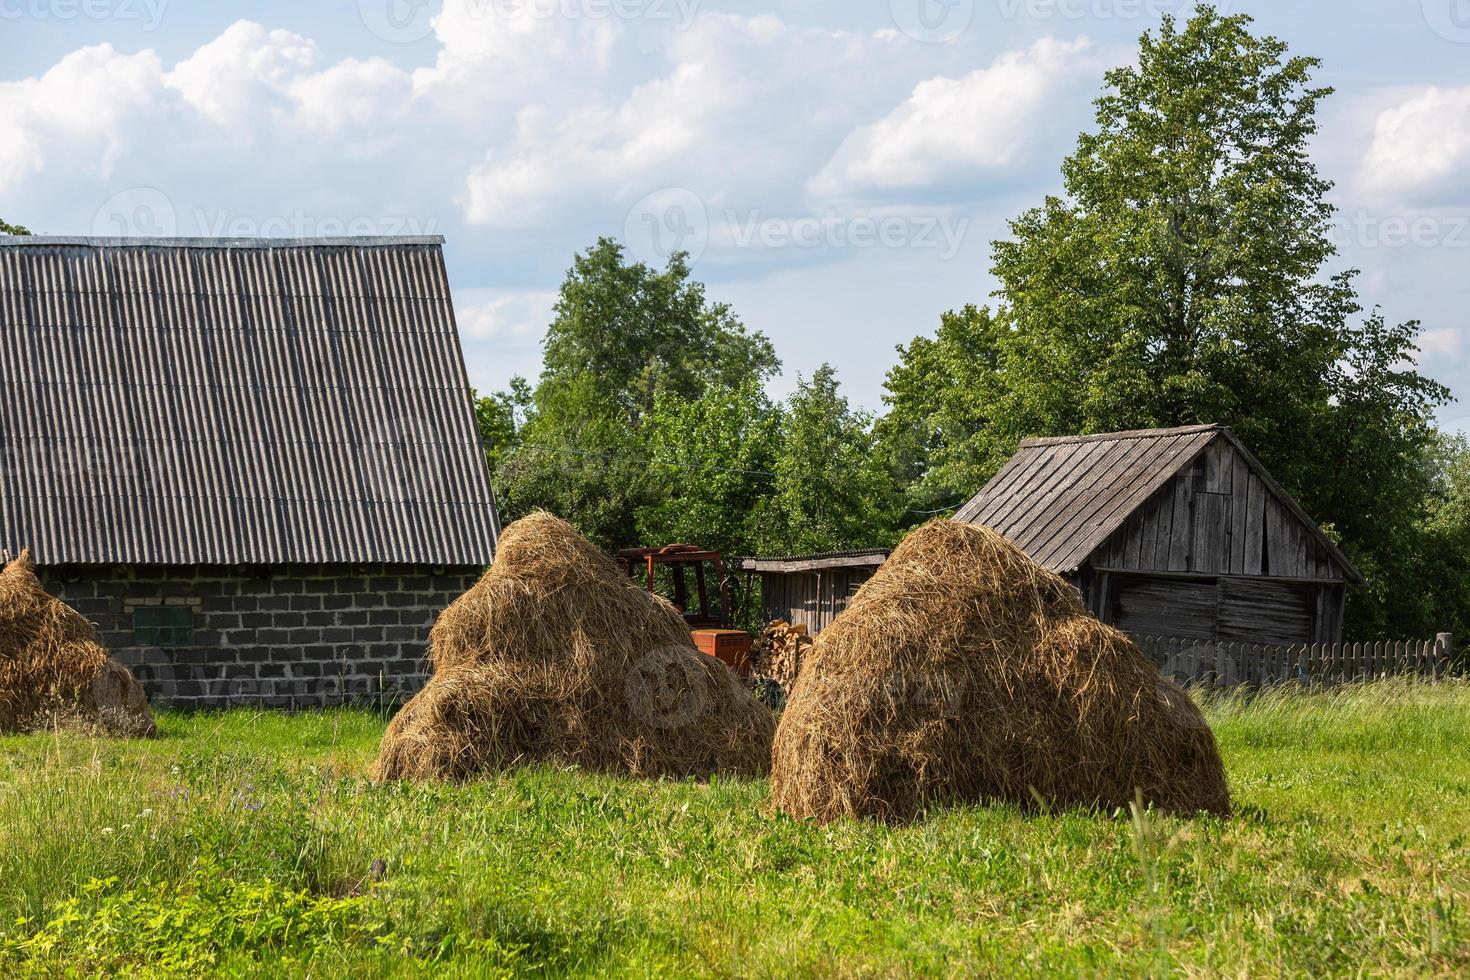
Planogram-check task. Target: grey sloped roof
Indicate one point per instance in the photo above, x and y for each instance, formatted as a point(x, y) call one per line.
point(1059, 499)
point(236, 402)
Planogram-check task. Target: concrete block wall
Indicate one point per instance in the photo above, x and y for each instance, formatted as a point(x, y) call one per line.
point(280, 637)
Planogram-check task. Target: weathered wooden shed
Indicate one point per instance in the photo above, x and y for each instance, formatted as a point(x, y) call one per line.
point(1172, 532)
point(810, 589)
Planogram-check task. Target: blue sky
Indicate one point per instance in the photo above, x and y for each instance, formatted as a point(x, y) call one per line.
point(838, 167)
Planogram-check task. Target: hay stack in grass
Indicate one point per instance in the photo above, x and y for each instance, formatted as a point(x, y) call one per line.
point(53, 672)
point(965, 672)
point(556, 656)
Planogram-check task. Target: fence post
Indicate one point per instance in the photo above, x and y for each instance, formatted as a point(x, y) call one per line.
point(1444, 649)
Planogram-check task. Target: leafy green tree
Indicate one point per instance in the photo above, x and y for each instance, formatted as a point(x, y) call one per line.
point(625, 339)
point(951, 421)
point(714, 458)
point(501, 416)
point(578, 457)
point(8, 229)
point(641, 331)
point(832, 489)
point(1443, 547)
point(1183, 278)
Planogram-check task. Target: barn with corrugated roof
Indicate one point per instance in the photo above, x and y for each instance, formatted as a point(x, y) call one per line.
point(1172, 532)
point(254, 464)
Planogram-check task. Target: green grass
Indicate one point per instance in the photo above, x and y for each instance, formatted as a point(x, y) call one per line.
point(244, 844)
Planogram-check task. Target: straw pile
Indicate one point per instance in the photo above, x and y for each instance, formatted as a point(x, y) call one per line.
point(556, 656)
point(965, 672)
point(777, 652)
point(53, 672)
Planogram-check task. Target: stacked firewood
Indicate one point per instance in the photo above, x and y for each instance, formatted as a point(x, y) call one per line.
point(778, 650)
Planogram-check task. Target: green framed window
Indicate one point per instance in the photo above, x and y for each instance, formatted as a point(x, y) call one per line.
point(163, 626)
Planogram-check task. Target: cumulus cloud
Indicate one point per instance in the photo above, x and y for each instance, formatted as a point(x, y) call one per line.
point(1444, 344)
point(958, 127)
point(246, 70)
point(78, 112)
point(1421, 148)
point(739, 109)
point(513, 316)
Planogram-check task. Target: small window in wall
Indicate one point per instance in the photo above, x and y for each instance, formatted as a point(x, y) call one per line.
point(163, 626)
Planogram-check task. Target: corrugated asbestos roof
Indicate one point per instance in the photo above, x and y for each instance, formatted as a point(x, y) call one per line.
point(225, 402)
point(1058, 499)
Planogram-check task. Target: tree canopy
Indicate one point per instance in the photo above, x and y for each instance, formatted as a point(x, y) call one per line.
point(1185, 277)
point(1185, 273)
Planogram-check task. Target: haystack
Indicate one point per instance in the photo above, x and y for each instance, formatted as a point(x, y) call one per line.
point(556, 656)
point(53, 672)
point(964, 672)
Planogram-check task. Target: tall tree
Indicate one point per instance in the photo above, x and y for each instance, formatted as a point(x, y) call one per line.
point(1183, 277)
point(625, 339)
point(714, 457)
point(641, 331)
point(832, 489)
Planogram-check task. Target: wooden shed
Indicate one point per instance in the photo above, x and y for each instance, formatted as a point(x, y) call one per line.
point(809, 589)
point(1172, 532)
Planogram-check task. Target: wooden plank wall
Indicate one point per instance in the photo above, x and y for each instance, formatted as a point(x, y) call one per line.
point(1218, 517)
point(1231, 609)
point(812, 598)
point(1192, 662)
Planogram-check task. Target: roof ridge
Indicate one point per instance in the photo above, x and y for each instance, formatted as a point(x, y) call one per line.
point(1181, 430)
point(343, 241)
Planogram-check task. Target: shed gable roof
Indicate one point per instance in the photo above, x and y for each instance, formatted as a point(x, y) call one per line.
point(1059, 499)
point(219, 402)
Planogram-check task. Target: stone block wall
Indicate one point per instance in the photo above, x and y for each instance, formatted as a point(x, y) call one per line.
point(276, 637)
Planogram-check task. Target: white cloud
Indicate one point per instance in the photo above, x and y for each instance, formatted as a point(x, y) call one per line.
point(352, 93)
point(954, 127)
point(513, 316)
point(245, 71)
point(1421, 147)
point(741, 108)
point(1448, 343)
point(76, 113)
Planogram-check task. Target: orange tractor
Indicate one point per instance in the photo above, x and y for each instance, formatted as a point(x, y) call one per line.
point(709, 626)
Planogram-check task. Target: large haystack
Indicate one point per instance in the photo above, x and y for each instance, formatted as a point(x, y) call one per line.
point(965, 672)
point(556, 656)
point(52, 669)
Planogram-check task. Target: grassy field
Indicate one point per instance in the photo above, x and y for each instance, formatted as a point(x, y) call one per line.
point(251, 844)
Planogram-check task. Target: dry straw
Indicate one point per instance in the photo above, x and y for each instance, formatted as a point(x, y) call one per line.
point(555, 656)
point(964, 672)
point(53, 672)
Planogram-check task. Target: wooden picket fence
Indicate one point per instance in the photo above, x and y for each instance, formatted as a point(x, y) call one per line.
point(1214, 664)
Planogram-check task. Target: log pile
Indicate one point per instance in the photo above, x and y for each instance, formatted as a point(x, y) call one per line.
point(778, 651)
